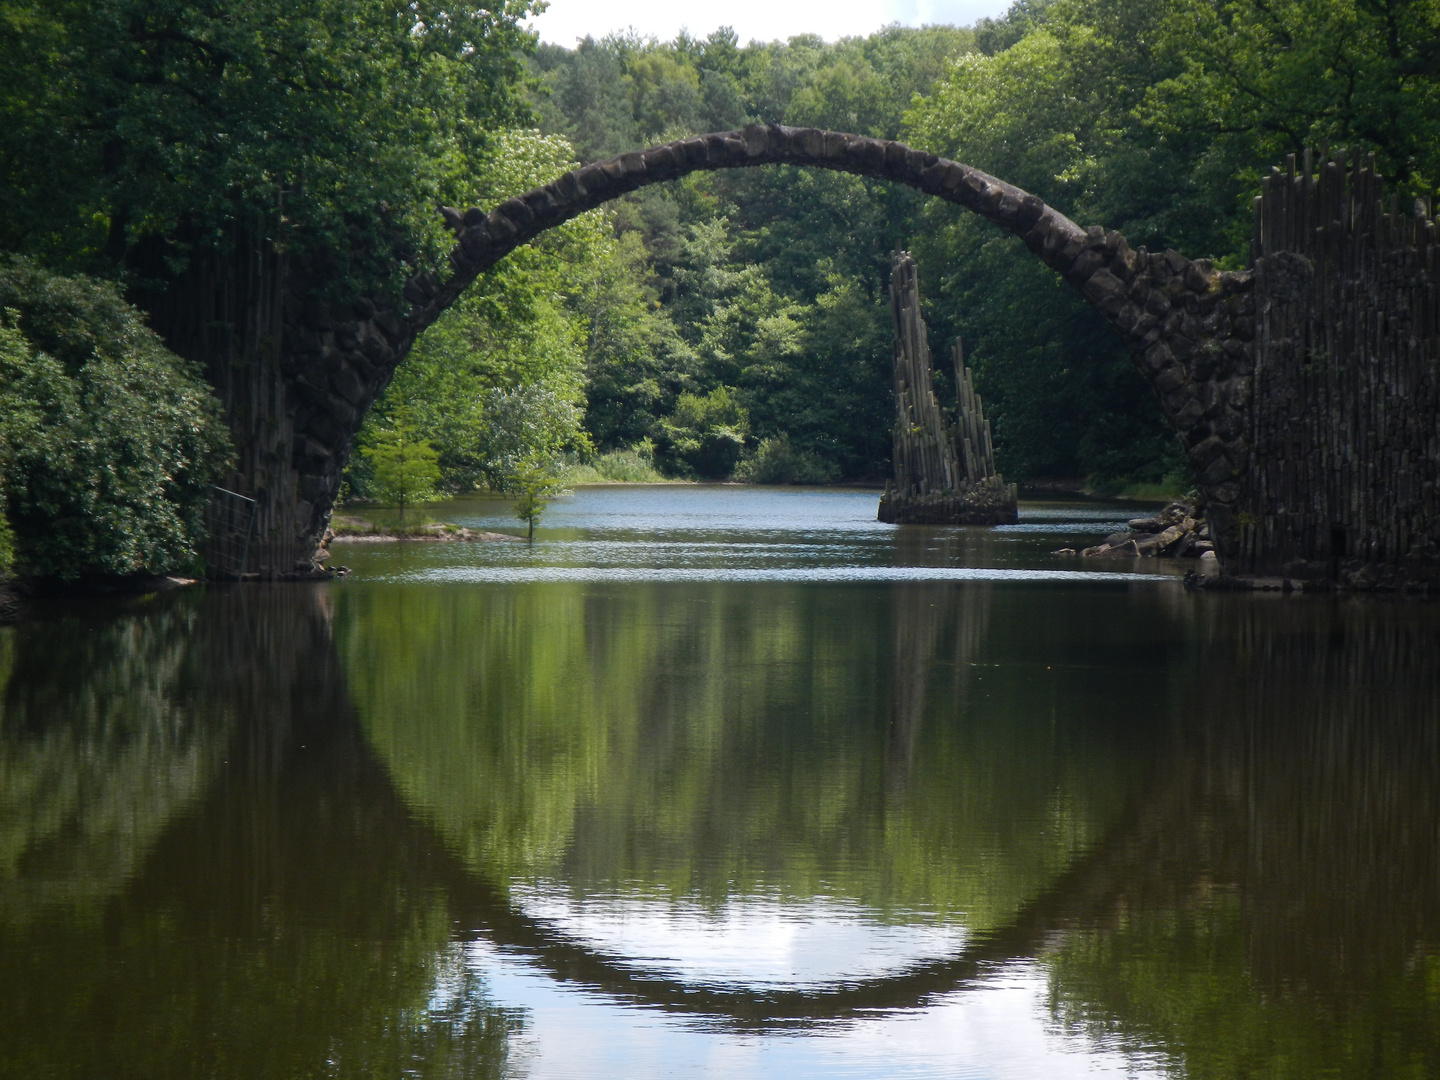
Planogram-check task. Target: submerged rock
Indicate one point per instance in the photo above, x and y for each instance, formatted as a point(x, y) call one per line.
point(1176, 532)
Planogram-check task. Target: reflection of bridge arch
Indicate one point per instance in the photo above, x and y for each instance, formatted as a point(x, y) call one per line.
point(1085, 889)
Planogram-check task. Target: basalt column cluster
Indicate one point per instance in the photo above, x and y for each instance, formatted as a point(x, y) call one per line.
point(944, 474)
point(1346, 424)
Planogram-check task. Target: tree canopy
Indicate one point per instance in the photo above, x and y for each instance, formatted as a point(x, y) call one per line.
point(128, 119)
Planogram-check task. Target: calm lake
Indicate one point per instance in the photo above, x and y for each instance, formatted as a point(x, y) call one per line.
point(723, 782)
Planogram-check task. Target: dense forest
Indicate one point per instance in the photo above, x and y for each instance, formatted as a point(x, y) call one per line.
point(727, 325)
point(737, 324)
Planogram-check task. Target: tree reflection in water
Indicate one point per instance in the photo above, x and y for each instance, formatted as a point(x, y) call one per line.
point(216, 881)
point(1284, 917)
point(704, 742)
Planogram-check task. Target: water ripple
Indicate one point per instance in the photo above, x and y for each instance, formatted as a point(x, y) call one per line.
point(516, 574)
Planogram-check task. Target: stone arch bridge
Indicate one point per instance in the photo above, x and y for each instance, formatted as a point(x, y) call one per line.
point(1303, 389)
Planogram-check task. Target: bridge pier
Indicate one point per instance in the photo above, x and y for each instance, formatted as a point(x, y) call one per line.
point(295, 376)
point(1345, 415)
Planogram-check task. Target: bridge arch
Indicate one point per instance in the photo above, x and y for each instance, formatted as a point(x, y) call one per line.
point(1188, 326)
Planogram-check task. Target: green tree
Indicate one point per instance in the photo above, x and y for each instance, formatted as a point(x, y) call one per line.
point(535, 483)
point(1055, 113)
point(7, 543)
point(109, 443)
point(705, 435)
point(768, 281)
point(1256, 81)
point(405, 465)
point(501, 375)
point(129, 122)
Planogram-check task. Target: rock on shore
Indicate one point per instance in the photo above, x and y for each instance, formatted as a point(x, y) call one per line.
point(1177, 532)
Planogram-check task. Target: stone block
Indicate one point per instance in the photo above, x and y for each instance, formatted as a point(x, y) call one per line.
point(1189, 414)
point(475, 242)
point(1176, 399)
point(914, 163)
point(517, 211)
point(1158, 357)
point(1229, 423)
point(502, 232)
point(375, 349)
point(569, 191)
point(1102, 286)
point(1237, 391)
point(1125, 263)
point(1224, 493)
point(1029, 212)
point(1086, 263)
point(695, 153)
point(1172, 378)
point(347, 385)
point(1205, 451)
point(1200, 277)
point(543, 203)
point(313, 486)
point(1219, 468)
point(317, 315)
point(932, 178)
point(663, 161)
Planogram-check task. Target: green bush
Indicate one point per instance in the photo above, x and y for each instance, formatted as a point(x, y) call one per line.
point(705, 435)
point(109, 443)
point(778, 461)
point(633, 466)
point(7, 544)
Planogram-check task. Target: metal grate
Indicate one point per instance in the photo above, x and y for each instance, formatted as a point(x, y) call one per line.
point(229, 523)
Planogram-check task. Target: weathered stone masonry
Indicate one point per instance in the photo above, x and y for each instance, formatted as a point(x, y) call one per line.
point(1193, 331)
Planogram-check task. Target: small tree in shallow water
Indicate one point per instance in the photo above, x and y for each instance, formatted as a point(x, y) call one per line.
point(535, 483)
point(406, 466)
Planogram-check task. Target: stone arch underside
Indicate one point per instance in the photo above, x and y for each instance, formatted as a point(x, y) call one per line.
point(1188, 326)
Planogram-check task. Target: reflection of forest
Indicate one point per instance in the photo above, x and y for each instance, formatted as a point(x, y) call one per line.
point(205, 874)
point(703, 742)
point(102, 747)
point(1214, 819)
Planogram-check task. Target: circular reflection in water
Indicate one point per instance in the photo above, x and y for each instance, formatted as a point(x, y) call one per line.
point(749, 942)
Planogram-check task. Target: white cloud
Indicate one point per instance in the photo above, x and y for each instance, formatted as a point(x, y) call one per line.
point(567, 21)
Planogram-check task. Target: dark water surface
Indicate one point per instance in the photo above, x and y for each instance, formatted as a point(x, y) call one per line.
point(723, 782)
